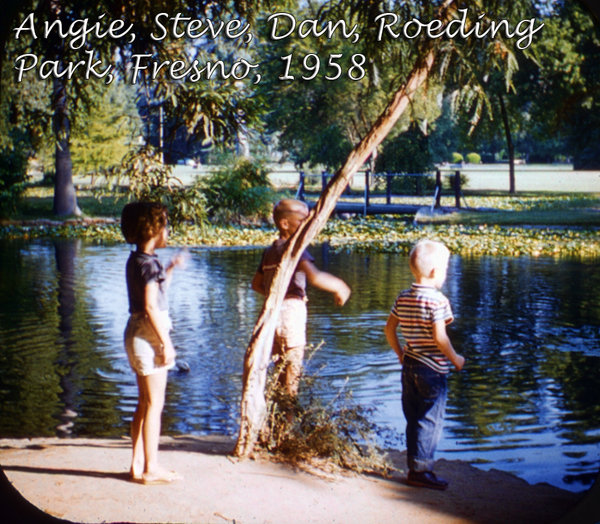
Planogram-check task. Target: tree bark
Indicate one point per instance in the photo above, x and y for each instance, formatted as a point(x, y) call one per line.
point(509, 146)
point(253, 405)
point(65, 200)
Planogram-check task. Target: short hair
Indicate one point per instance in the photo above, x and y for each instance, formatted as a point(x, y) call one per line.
point(141, 221)
point(427, 255)
point(285, 208)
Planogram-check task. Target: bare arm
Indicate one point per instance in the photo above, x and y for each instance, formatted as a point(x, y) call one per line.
point(179, 260)
point(326, 281)
point(258, 283)
point(391, 334)
point(443, 343)
point(162, 331)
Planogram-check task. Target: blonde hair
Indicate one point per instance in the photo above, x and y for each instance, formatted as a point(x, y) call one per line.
point(286, 207)
point(426, 256)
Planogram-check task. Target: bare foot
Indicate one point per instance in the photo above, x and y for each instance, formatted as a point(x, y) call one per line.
point(160, 476)
point(135, 474)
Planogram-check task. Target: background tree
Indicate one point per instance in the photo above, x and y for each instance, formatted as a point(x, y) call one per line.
point(565, 87)
point(65, 98)
point(111, 128)
point(316, 120)
point(212, 110)
point(484, 90)
point(549, 107)
point(23, 115)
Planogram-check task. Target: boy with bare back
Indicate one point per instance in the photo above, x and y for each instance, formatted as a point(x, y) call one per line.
point(290, 333)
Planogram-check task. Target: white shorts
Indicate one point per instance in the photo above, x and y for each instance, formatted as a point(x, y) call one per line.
point(144, 349)
point(291, 325)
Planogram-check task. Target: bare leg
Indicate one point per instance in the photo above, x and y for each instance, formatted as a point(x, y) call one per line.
point(155, 385)
point(293, 369)
point(137, 424)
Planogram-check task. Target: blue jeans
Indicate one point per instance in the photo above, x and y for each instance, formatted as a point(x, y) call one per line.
point(424, 394)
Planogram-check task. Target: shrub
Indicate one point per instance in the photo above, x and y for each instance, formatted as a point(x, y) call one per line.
point(473, 158)
point(13, 176)
point(241, 189)
point(406, 185)
point(186, 205)
point(464, 180)
point(456, 158)
point(405, 153)
point(150, 179)
point(303, 430)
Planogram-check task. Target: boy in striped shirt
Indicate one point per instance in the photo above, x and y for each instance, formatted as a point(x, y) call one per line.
point(422, 312)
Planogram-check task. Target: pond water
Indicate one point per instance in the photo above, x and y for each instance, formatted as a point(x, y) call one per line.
point(526, 402)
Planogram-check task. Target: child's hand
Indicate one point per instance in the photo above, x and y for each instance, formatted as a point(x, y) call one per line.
point(168, 355)
point(342, 294)
point(459, 362)
point(401, 354)
point(180, 259)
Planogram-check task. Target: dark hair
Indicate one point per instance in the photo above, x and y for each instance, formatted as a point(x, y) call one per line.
point(141, 221)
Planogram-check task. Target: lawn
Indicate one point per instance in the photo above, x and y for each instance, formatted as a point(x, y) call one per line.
point(551, 209)
point(37, 204)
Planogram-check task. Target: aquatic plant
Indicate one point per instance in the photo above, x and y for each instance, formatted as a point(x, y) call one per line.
point(377, 235)
point(358, 235)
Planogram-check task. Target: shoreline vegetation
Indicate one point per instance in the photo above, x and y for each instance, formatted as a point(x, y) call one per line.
point(494, 224)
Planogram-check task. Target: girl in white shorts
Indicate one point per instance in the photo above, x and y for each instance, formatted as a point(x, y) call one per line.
point(147, 341)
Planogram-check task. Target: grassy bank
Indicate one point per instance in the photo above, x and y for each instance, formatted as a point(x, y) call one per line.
point(534, 209)
point(38, 200)
point(495, 224)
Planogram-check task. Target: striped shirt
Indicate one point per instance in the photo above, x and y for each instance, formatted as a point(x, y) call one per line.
point(417, 309)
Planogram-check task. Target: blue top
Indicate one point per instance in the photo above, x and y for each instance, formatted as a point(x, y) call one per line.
point(142, 269)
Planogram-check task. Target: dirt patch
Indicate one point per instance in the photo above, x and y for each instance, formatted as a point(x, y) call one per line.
point(85, 480)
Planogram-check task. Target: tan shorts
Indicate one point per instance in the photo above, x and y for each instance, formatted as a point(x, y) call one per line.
point(143, 346)
point(290, 333)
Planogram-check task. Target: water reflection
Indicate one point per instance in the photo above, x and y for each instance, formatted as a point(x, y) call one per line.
point(49, 364)
point(530, 330)
point(525, 403)
point(65, 253)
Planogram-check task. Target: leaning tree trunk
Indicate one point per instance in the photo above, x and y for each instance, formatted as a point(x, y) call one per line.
point(253, 405)
point(509, 146)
